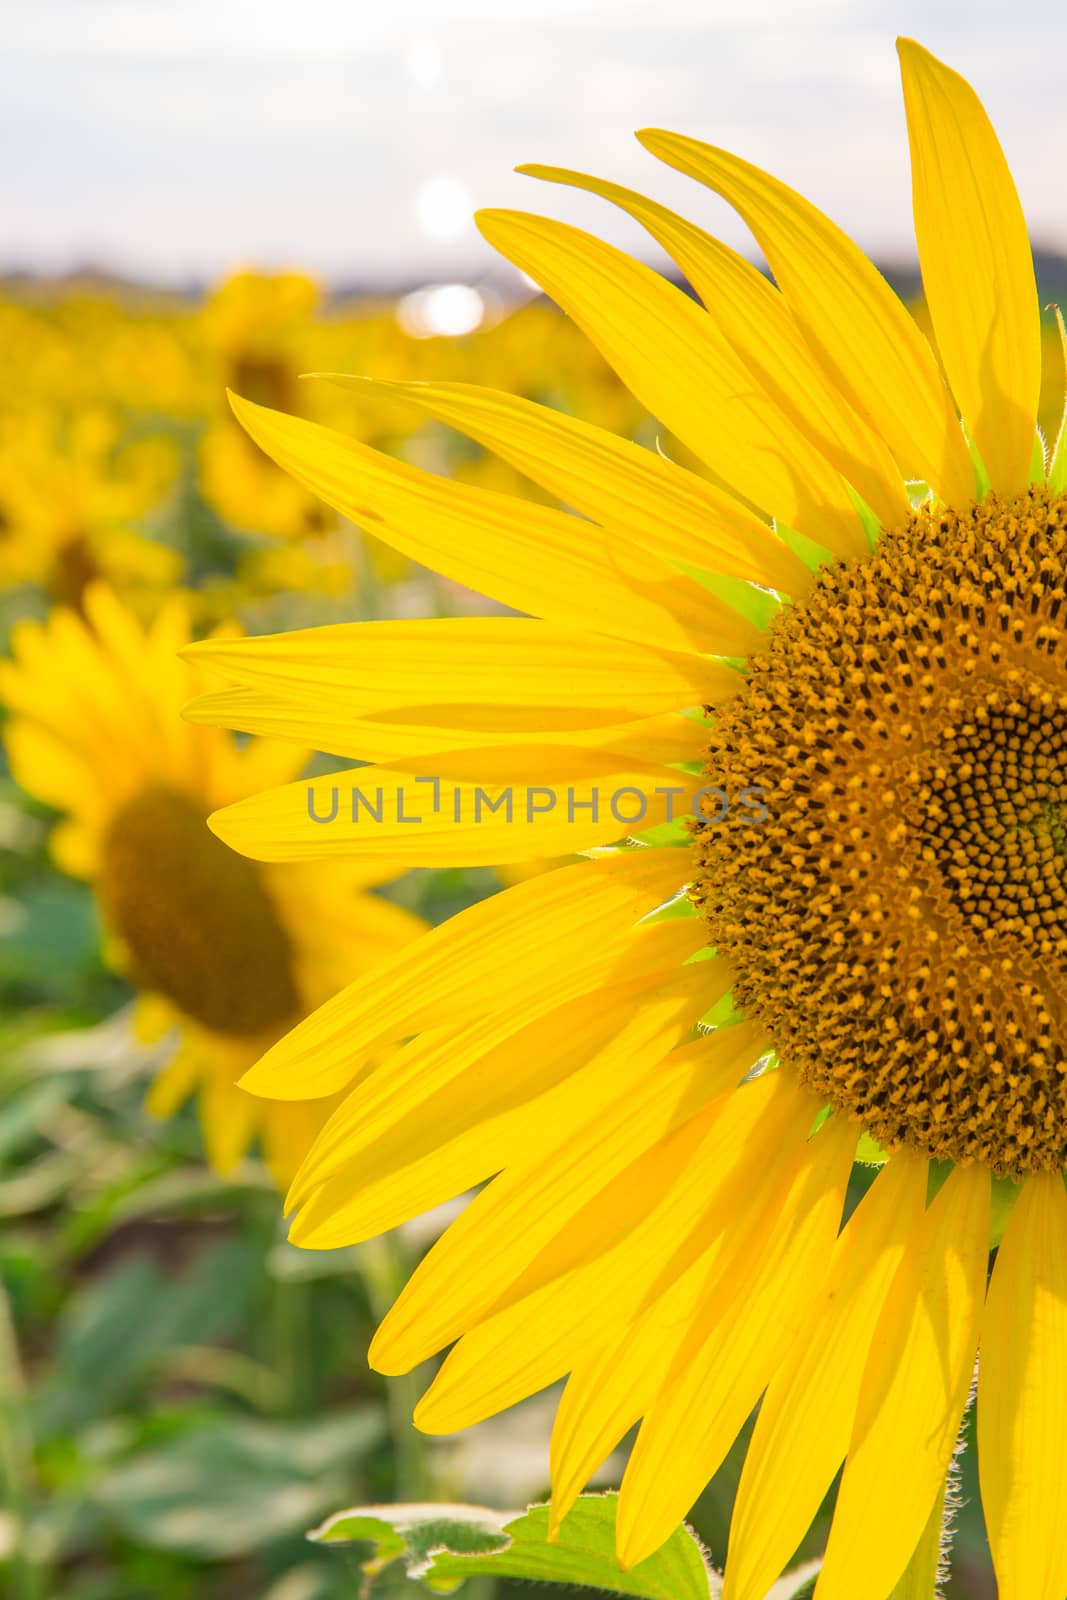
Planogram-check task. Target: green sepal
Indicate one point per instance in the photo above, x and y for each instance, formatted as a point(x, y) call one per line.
point(936, 1175)
point(872, 525)
point(756, 605)
point(981, 476)
point(813, 555)
point(1057, 469)
point(662, 835)
point(444, 1544)
point(680, 906)
point(1005, 1193)
point(1037, 458)
point(723, 1013)
point(869, 1152)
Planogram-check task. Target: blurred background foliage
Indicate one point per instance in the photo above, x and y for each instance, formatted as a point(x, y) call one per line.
point(182, 1393)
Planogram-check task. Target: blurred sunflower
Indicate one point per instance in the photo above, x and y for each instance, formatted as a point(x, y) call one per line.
point(71, 493)
point(258, 324)
point(663, 1222)
point(227, 953)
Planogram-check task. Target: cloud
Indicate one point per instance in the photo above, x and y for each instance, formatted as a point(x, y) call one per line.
point(177, 137)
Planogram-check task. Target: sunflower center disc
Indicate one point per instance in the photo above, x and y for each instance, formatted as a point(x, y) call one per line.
point(195, 917)
point(899, 922)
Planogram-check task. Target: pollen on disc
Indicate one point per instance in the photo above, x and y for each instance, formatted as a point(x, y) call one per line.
point(899, 922)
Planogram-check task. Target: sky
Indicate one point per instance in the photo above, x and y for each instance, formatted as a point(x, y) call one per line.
point(174, 140)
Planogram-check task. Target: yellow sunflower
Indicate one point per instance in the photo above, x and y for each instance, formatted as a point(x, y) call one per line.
point(71, 493)
point(227, 953)
point(258, 326)
point(877, 874)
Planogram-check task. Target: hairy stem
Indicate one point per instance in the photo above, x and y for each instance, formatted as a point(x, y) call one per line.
point(923, 1574)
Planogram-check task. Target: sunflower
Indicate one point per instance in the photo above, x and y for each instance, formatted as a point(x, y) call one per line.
point(227, 953)
point(840, 645)
point(71, 494)
point(256, 324)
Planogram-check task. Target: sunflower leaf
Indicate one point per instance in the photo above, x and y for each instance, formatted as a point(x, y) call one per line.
point(443, 1544)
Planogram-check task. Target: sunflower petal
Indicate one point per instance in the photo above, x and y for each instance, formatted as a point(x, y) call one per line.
point(612, 1387)
point(978, 272)
point(524, 555)
point(540, 1104)
point(173, 1086)
point(535, 1339)
point(749, 311)
point(804, 1423)
point(329, 727)
point(746, 1321)
point(472, 1269)
point(663, 347)
point(438, 1087)
point(615, 482)
point(472, 673)
point(285, 1133)
point(913, 1393)
point(850, 316)
point(466, 808)
point(1022, 1397)
point(614, 1380)
point(562, 920)
point(228, 1120)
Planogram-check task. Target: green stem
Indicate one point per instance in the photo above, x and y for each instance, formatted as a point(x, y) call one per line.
point(385, 1272)
point(920, 1580)
point(16, 1459)
point(292, 1338)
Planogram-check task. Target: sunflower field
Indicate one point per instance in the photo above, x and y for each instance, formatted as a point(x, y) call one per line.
point(533, 895)
point(183, 1393)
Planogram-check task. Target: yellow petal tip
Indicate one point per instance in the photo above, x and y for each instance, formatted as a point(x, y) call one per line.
point(650, 137)
point(915, 57)
point(196, 712)
point(244, 410)
point(386, 1355)
point(217, 821)
point(488, 218)
point(249, 1084)
point(632, 1544)
point(429, 1419)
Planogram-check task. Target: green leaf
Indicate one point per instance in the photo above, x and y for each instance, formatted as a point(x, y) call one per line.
point(444, 1544)
point(420, 1535)
point(22, 1118)
point(54, 952)
point(227, 1488)
point(120, 1327)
